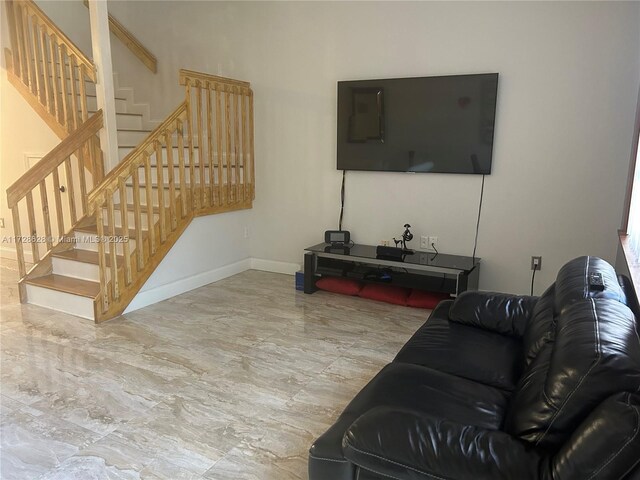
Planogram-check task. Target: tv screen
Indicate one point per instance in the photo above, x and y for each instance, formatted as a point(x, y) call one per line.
point(427, 124)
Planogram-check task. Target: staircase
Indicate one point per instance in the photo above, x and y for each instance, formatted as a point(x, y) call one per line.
point(114, 228)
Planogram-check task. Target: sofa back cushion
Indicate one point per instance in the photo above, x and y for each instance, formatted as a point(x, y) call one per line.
point(589, 351)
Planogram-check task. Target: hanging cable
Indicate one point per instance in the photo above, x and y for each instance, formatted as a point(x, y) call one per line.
point(342, 201)
point(475, 243)
point(533, 277)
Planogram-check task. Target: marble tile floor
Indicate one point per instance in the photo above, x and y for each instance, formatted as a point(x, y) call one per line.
point(232, 381)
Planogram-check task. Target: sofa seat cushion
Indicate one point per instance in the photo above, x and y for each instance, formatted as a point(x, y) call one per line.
point(468, 352)
point(413, 387)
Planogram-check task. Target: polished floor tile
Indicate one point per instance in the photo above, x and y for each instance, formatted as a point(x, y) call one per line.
point(231, 381)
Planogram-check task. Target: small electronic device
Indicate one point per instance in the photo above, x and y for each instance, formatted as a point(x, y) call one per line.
point(596, 282)
point(337, 237)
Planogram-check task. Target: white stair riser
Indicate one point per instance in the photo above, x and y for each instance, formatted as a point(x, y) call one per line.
point(131, 218)
point(130, 138)
point(154, 197)
point(83, 242)
point(81, 270)
point(124, 151)
point(176, 176)
point(121, 105)
point(128, 121)
point(60, 301)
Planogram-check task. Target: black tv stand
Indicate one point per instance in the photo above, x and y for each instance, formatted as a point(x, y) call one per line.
point(436, 272)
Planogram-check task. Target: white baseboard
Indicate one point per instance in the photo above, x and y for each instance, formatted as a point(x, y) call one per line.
point(163, 292)
point(274, 266)
point(10, 253)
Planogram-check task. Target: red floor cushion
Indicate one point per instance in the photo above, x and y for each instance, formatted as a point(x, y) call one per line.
point(385, 293)
point(422, 299)
point(346, 286)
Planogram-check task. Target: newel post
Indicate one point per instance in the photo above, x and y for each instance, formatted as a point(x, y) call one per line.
point(105, 93)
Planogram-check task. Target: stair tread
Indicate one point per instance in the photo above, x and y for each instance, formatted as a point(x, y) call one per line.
point(61, 283)
point(93, 229)
point(85, 256)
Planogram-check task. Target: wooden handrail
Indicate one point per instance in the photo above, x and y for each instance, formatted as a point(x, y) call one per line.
point(131, 42)
point(34, 176)
point(190, 76)
point(53, 29)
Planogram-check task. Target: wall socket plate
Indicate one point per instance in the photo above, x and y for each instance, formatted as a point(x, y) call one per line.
point(536, 263)
point(426, 242)
point(433, 244)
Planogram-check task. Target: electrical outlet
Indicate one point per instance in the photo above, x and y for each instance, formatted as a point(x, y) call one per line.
point(536, 263)
point(1, 222)
point(424, 243)
point(246, 232)
point(384, 243)
point(433, 244)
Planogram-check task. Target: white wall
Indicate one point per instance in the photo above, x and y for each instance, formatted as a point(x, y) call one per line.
point(212, 248)
point(569, 73)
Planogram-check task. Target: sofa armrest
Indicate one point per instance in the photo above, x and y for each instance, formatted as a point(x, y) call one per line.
point(405, 445)
point(606, 445)
point(499, 312)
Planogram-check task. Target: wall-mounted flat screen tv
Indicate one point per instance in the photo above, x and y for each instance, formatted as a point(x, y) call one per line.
point(429, 124)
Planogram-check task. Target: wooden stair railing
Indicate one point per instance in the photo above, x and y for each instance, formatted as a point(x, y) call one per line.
point(58, 179)
point(47, 68)
point(199, 161)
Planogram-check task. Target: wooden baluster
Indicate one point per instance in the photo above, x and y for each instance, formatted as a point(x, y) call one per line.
point(17, 231)
point(70, 191)
point(102, 258)
point(83, 93)
point(160, 182)
point(212, 179)
point(13, 35)
point(251, 151)
point(58, 201)
point(219, 143)
point(245, 147)
point(181, 172)
point(32, 228)
point(73, 65)
point(97, 160)
point(172, 188)
point(227, 108)
point(83, 178)
point(62, 50)
point(37, 66)
point(57, 109)
point(236, 146)
point(113, 253)
point(201, 149)
point(124, 213)
point(45, 213)
point(28, 78)
point(149, 209)
point(137, 218)
point(192, 167)
point(46, 71)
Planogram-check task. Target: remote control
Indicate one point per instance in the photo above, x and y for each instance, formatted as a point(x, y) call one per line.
point(596, 282)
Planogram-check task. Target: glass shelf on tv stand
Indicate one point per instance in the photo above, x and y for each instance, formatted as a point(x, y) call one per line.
point(452, 274)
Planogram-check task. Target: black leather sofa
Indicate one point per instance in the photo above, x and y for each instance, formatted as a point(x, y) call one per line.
point(497, 386)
